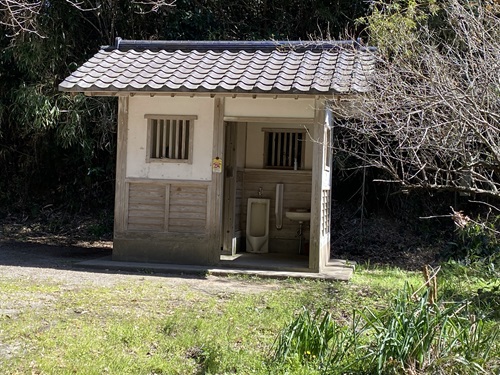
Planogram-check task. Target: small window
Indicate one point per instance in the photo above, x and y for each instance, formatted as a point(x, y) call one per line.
point(328, 151)
point(170, 138)
point(284, 148)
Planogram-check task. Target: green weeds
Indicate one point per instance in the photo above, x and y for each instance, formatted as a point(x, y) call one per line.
point(307, 336)
point(414, 334)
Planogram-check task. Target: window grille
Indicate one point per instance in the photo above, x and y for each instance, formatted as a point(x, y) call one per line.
point(284, 149)
point(170, 138)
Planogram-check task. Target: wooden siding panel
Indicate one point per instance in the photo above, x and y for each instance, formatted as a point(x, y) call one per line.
point(188, 209)
point(198, 209)
point(158, 220)
point(157, 214)
point(189, 199)
point(187, 215)
point(146, 197)
point(141, 206)
point(167, 207)
point(146, 227)
point(146, 207)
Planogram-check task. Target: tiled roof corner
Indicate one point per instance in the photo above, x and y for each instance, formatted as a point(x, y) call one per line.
point(244, 67)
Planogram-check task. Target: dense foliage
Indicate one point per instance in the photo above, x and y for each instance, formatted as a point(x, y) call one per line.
point(59, 149)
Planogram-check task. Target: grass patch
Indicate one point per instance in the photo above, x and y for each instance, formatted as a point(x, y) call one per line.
point(147, 327)
point(154, 325)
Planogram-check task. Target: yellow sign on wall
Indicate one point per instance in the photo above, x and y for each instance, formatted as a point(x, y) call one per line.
point(217, 165)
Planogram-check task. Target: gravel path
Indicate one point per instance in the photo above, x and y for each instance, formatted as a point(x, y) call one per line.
point(26, 263)
point(55, 263)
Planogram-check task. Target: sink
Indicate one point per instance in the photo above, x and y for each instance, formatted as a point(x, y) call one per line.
point(298, 214)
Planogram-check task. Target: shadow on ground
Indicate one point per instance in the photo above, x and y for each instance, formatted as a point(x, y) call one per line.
point(27, 254)
point(67, 257)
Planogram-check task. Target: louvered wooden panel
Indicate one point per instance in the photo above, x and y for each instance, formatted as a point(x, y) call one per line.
point(187, 209)
point(325, 212)
point(146, 207)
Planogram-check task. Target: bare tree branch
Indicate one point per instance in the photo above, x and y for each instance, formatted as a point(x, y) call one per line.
point(153, 5)
point(21, 16)
point(432, 120)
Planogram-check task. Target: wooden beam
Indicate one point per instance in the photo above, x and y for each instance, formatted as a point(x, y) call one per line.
point(275, 120)
point(170, 117)
point(315, 251)
point(121, 166)
point(163, 181)
point(214, 219)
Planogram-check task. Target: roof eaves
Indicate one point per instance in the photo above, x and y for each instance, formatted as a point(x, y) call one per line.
point(199, 90)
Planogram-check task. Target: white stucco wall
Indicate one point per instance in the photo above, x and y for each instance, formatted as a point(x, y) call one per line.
point(203, 107)
point(267, 106)
point(200, 169)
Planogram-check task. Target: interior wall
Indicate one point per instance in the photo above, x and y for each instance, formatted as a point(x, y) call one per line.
point(297, 194)
point(241, 144)
point(254, 156)
point(269, 107)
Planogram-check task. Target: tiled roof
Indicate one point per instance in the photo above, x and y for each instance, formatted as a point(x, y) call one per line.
point(227, 67)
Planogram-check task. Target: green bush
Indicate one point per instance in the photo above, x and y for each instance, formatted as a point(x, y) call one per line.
point(474, 280)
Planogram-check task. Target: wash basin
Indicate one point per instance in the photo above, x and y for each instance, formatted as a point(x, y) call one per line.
point(298, 214)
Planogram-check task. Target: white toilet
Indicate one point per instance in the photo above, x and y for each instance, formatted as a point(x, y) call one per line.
point(257, 232)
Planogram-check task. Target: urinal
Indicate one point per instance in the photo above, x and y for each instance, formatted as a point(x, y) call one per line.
point(257, 233)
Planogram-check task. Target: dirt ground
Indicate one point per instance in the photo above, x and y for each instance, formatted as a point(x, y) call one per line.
point(52, 263)
point(39, 249)
point(48, 247)
point(56, 263)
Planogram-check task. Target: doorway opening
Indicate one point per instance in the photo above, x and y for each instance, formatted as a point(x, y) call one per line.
point(244, 178)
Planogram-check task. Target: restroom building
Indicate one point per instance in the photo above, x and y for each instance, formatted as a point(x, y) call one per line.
point(223, 147)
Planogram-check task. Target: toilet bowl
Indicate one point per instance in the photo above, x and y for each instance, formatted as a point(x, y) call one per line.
point(257, 232)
